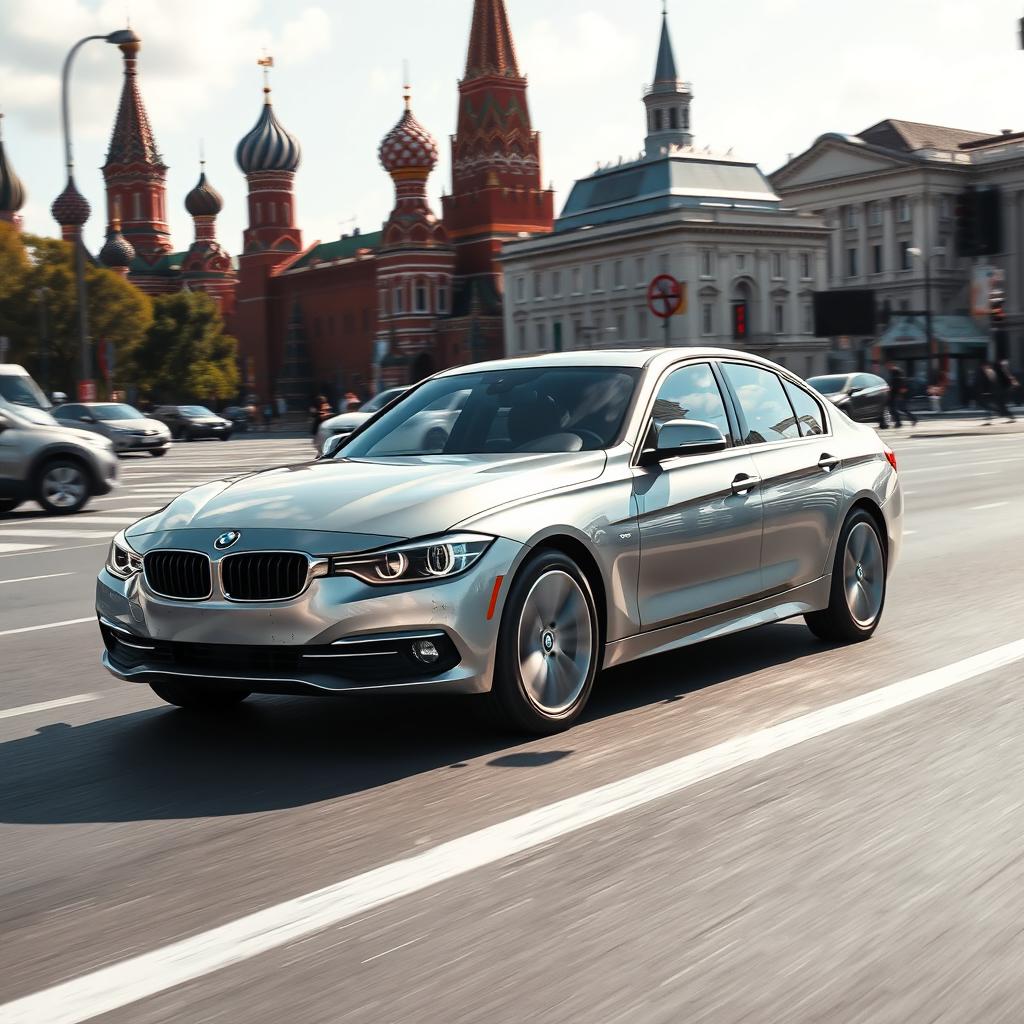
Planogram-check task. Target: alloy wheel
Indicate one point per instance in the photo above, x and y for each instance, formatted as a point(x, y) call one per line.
point(555, 642)
point(64, 486)
point(863, 574)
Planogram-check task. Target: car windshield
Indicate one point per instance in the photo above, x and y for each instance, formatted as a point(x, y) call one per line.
point(379, 401)
point(116, 412)
point(19, 390)
point(530, 409)
point(195, 410)
point(831, 385)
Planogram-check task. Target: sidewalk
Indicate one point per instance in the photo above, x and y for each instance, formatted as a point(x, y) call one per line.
point(967, 424)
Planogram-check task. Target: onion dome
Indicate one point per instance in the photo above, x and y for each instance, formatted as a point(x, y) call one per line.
point(117, 252)
point(204, 200)
point(268, 147)
point(408, 146)
point(12, 192)
point(70, 208)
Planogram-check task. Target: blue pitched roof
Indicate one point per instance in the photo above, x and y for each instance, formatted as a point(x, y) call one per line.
point(668, 182)
point(665, 70)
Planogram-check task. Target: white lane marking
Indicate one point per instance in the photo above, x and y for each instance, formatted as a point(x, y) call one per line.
point(10, 548)
point(993, 504)
point(57, 532)
point(120, 984)
point(973, 462)
point(48, 549)
point(46, 625)
point(29, 579)
point(909, 533)
point(402, 945)
point(47, 705)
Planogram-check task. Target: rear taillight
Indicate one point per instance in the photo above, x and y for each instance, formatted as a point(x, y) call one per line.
point(890, 456)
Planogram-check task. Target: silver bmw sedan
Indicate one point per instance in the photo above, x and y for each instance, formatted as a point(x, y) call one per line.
point(581, 511)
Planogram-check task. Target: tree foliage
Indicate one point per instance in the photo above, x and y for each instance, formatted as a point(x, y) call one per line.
point(39, 309)
point(186, 355)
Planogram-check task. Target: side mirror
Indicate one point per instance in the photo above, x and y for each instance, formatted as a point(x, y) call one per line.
point(685, 437)
point(87, 418)
point(332, 444)
point(854, 391)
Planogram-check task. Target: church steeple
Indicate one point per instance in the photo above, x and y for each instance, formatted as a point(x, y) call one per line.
point(667, 100)
point(134, 171)
point(491, 51)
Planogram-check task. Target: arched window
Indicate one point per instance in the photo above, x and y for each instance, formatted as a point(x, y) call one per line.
point(686, 119)
point(673, 118)
point(442, 298)
point(271, 214)
point(383, 302)
point(421, 295)
point(399, 305)
point(259, 213)
point(657, 120)
point(286, 213)
point(137, 206)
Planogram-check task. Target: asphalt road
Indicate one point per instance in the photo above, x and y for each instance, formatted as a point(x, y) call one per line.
point(821, 833)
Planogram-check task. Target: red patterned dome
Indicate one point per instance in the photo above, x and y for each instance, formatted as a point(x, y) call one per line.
point(408, 146)
point(70, 208)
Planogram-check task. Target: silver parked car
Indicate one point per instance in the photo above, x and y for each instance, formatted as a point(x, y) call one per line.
point(346, 422)
point(56, 466)
point(127, 428)
point(587, 509)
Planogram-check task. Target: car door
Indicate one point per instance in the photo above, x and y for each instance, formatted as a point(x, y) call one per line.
point(699, 515)
point(784, 428)
point(870, 398)
point(12, 457)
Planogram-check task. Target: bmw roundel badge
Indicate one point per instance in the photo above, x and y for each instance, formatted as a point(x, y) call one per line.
point(225, 540)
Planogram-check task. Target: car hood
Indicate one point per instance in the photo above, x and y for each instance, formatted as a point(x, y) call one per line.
point(143, 424)
point(399, 497)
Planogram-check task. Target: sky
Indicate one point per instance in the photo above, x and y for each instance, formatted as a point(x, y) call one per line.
point(768, 78)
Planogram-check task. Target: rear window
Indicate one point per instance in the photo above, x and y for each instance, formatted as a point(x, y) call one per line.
point(809, 417)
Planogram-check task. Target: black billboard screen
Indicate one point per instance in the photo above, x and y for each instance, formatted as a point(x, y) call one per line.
point(847, 312)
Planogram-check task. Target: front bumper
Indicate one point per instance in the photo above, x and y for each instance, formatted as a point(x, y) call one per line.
point(340, 635)
point(141, 442)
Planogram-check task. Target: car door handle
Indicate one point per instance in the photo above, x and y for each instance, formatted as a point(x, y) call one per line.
point(828, 462)
point(744, 483)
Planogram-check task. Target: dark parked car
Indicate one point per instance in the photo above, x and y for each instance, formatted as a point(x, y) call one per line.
point(126, 427)
point(239, 417)
point(191, 422)
point(864, 397)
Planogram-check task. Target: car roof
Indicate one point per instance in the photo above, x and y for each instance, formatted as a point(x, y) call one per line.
point(632, 357)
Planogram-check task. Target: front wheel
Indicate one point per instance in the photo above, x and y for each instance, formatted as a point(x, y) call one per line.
point(157, 452)
point(62, 487)
point(857, 596)
point(548, 647)
point(198, 695)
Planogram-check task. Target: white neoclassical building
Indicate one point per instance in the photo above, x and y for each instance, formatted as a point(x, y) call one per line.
point(889, 197)
point(750, 265)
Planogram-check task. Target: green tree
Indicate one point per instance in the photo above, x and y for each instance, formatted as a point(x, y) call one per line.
point(186, 355)
point(37, 289)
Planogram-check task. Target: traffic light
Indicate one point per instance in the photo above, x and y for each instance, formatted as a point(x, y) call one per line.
point(988, 205)
point(997, 305)
point(967, 223)
point(739, 321)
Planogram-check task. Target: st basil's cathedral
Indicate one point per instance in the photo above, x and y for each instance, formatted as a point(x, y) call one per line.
point(367, 310)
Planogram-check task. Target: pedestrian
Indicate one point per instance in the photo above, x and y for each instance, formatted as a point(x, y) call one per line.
point(320, 410)
point(899, 392)
point(351, 401)
point(282, 406)
point(1008, 386)
point(268, 416)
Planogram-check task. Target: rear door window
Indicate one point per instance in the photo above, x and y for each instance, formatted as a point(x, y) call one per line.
point(809, 416)
point(763, 402)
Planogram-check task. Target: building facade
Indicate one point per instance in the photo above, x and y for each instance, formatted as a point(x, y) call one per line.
point(889, 196)
point(750, 266)
point(383, 307)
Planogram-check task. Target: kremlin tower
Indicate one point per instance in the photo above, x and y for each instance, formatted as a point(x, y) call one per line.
point(496, 174)
point(12, 192)
point(415, 260)
point(207, 266)
point(268, 156)
point(135, 175)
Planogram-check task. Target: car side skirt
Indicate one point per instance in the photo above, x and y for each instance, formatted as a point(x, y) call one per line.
point(809, 597)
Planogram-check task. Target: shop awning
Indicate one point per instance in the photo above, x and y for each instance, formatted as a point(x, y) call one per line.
point(958, 335)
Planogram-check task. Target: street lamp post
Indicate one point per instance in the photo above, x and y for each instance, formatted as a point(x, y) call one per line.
point(926, 258)
point(125, 35)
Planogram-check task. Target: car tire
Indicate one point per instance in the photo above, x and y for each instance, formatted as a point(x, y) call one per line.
point(549, 647)
point(9, 504)
point(157, 452)
point(225, 437)
point(857, 596)
point(188, 435)
point(195, 696)
point(62, 486)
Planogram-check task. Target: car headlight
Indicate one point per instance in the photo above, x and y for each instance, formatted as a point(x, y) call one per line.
point(435, 558)
point(122, 560)
point(97, 441)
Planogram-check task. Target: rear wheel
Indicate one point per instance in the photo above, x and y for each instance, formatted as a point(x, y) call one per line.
point(548, 647)
point(195, 696)
point(157, 452)
point(857, 596)
point(62, 487)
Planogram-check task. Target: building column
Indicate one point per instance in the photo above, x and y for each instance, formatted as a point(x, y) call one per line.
point(835, 240)
point(888, 240)
point(1013, 261)
point(862, 240)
